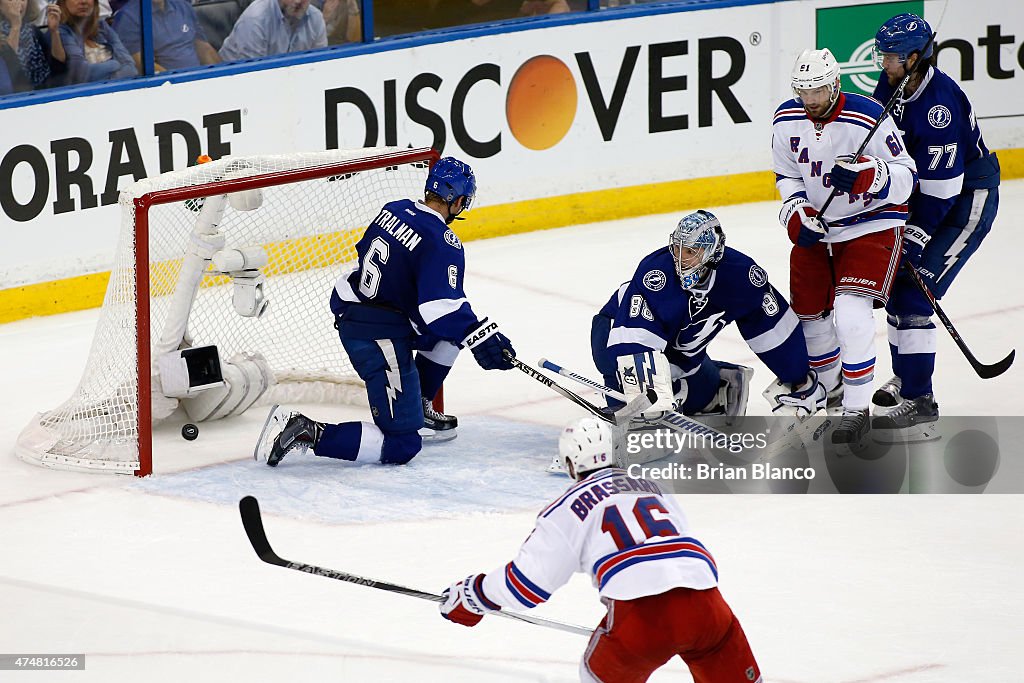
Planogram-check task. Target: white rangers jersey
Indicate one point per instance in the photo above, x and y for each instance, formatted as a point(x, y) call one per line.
point(630, 538)
point(804, 151)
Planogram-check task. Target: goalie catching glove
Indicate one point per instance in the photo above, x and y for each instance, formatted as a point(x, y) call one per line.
point(489, 346)
point(465, 603)
point(807, 398)
point(801, 221)
point(860, 175)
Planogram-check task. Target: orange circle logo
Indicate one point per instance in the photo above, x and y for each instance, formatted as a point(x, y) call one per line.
point(541, 102)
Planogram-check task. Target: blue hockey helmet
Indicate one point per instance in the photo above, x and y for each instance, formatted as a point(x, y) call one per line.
point(903, 35)
point(697, 244)
point(450, 179)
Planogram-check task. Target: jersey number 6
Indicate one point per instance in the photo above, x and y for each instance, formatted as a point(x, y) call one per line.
point(370, 281)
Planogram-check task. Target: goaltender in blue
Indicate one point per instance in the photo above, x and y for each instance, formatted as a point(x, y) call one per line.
point(707, 472)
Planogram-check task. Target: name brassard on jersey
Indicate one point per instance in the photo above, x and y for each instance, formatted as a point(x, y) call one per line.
point(586, 500)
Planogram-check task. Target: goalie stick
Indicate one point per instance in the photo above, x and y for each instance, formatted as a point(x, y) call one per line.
point(792, 431)
point(622, 416)
point(249, 508)
point(984, 371)
point(673, 420)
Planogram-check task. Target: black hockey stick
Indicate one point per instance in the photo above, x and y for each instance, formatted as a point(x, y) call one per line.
point(885, 112)
point(558, 388)
point(673, 420)
point(637, 405)
point(984, 371)
point(249, 508)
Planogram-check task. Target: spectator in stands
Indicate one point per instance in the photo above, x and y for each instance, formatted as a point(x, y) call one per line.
point(344, 23)
point(31, 67)
point(178, 40)
point(273, 27)
point(94, 52)
point(531, 8)
point(8, 57)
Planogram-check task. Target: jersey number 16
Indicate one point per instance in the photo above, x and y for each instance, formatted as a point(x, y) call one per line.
point(613, 523)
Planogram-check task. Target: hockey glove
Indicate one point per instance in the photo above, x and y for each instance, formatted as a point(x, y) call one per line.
point(914, 241)
point(804, 399)
point(489, 346)
point(464, 602)
point(801, 221)
point(865, 174)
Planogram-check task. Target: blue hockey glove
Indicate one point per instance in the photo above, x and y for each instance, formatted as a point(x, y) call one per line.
point(801, 221)
point(865, 174)
point(914, 241)
point(489, 346)
point(464, 601)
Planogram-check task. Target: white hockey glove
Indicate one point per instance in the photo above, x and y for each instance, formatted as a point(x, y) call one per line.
point(464, 601)
point(642, 371)
point(801, 221)
point(865, 174)
point(800, 401)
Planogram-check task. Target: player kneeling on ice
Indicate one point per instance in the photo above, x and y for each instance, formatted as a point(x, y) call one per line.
point(659, 583)
point(654, 331)
point(406, 295)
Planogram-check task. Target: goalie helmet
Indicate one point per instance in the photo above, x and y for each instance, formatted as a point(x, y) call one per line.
point(450, 179)
point(700, 230)
point(816, 69)
point(903, 35)
point(586, 445)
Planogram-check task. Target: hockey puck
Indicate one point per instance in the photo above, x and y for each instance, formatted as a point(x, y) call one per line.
point(189, 432)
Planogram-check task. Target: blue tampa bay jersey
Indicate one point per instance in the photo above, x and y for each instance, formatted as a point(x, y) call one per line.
point(653, 311)
point(411, 262)
point(942, 135)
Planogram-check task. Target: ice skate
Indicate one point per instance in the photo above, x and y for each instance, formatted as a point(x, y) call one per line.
point(888, 395)
point(283, 432)
point(851, 434)
point(913, 420)
point(437, 427)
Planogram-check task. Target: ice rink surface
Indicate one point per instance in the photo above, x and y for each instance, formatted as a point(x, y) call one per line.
point(154, 579)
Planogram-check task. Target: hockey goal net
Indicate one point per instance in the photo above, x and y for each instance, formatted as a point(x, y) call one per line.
point(294, 220)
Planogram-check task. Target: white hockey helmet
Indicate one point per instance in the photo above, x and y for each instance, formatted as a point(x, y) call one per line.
point(816, 69)
point(586, 445)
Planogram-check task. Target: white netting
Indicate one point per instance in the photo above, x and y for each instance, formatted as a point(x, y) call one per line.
point(308, 230)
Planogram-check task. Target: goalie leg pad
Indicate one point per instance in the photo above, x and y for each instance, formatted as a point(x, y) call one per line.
point(246, 377)
point(733, 392)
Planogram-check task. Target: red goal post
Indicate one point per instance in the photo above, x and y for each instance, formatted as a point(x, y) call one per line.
point(301, 214)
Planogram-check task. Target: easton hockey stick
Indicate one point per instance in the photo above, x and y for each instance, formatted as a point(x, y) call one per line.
point(791, 432)
point(984, 371)
point(621, 416)
point(249, 508)
point(672, 420)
